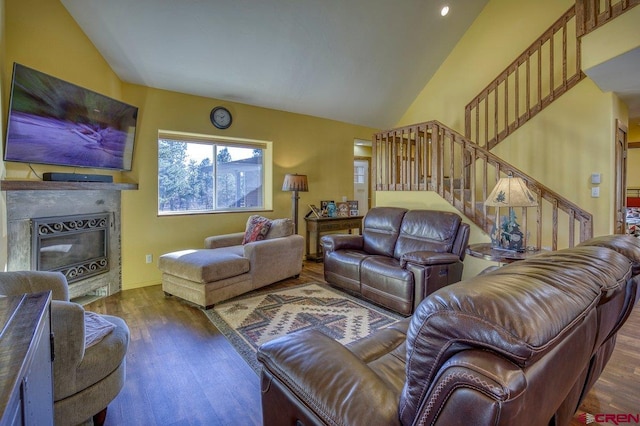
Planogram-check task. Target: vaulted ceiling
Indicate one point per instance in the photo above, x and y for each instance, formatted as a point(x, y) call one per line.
point(357, 61)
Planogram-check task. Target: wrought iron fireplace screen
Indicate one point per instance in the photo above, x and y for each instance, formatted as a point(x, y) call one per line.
point(77, 246)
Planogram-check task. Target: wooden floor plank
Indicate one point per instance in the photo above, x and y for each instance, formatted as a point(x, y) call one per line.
point(182, 371)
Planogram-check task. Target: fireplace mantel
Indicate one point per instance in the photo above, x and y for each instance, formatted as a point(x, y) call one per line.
point(37, 185)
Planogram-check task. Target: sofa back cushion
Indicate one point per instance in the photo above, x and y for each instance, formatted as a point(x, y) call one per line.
point(280, 228)
point(521, 311)
point(427, 230)
point(381, 228)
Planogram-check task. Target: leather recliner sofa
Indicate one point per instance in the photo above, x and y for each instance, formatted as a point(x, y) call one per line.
point(521, 345)
point(401, 257)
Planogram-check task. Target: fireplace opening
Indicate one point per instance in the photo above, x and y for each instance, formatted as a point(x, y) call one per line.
point(77, 246)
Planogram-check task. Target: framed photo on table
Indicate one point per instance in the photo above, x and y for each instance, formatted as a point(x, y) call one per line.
point(343, 209)
point(353, 207)
point(315, 210)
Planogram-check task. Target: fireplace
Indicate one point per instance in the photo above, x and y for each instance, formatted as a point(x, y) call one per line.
point(77, 246)
point(88, 279)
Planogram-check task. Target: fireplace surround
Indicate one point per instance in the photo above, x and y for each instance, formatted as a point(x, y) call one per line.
point(50, 199)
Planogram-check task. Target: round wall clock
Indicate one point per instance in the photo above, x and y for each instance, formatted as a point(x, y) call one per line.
point(221, 117)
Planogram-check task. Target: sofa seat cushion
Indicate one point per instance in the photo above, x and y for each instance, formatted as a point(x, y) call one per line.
point(205, 265)
point(344, 268)
point(383, 281)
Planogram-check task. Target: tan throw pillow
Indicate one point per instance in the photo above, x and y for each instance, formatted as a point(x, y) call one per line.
point(257, 228)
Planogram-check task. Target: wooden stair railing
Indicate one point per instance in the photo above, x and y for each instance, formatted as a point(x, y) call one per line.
point(592, 14)
point(543, 72)
point(432, 157)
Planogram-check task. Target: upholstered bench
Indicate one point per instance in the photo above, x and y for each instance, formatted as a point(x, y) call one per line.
point(233, 264)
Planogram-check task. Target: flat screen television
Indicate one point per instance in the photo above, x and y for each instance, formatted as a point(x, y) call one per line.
point(54, 122)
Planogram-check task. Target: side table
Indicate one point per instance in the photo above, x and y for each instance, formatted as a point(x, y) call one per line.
point(487, 252)
point(318, 225)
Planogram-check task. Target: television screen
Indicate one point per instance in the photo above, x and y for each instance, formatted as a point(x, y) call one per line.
point(54, 122)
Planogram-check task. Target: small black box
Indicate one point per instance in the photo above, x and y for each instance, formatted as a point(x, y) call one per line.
point(76, 177)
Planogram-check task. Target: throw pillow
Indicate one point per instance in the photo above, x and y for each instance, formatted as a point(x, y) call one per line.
point(257, 228)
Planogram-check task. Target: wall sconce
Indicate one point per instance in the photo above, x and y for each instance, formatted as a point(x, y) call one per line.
point(510, 192)
point(296, 183)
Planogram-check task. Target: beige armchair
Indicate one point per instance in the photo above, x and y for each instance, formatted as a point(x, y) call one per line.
point(85, 379)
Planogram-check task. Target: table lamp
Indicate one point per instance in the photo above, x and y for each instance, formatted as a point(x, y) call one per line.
point(510, 192)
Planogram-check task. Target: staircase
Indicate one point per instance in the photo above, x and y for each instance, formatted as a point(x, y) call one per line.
point(433, 157)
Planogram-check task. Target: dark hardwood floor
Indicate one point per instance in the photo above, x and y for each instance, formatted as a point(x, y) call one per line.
point(182, 371)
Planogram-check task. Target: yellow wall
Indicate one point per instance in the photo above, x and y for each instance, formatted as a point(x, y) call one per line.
point(42, 35)
point(612, 39)
point(321, 149)
point(563, 144)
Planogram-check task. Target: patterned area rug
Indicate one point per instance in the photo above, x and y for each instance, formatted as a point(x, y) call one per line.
point(253, 319)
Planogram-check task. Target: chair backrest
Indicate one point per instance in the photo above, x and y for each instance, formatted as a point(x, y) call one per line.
point(20, 282)
point(538, 310)
point(428, 230)
point(381, 228)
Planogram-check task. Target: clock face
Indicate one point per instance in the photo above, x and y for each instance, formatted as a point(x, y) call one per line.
point(220, 117)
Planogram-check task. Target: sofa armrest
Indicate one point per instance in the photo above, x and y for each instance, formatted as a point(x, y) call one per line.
point(427, 258)
point(274, 259)
point(323, 375)
point(225, 240)
point(335, 242)
point(67, 324)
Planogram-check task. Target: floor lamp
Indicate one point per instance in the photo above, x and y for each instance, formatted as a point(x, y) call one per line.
point(296, 183)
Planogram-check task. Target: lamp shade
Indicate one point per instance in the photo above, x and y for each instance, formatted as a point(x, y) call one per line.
point(511, 192)
point(295, 182)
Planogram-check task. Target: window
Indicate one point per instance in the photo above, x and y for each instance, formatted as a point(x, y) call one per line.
point(202, 175)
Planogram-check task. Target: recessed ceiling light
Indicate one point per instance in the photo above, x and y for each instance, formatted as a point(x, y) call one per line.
point(444, 11)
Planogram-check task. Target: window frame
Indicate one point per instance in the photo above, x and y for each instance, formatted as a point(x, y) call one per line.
point(216, 141)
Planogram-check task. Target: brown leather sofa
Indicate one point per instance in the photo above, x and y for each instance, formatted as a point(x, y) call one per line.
point(401, 257)
point(520, 345)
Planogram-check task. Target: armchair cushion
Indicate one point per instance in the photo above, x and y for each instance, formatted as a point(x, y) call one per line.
point(257, 229)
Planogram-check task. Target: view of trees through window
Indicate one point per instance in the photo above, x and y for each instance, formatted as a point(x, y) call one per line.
point(201, 177)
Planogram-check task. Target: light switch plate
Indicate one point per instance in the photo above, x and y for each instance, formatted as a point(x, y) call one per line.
point(595, 192)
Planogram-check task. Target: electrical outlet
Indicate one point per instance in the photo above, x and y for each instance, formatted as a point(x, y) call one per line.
point(595, 192)
point(149, 258)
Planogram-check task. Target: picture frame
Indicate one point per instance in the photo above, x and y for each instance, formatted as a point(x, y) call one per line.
point(323, 207)
point(353, 207)
point(343, 209)
point(315, 210)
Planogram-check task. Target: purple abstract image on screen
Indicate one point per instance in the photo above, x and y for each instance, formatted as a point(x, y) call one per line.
point(55, 122)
